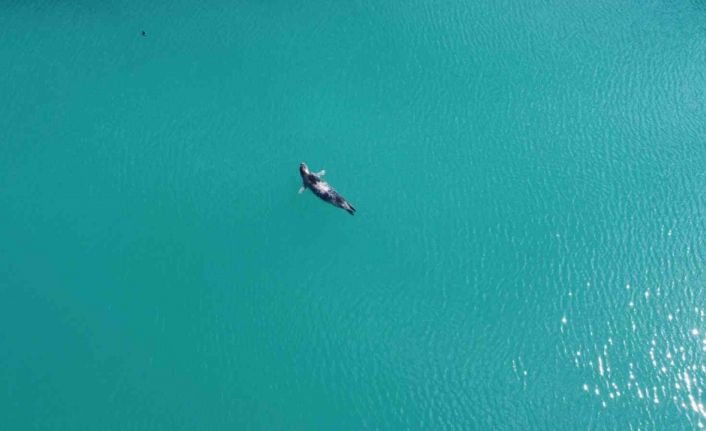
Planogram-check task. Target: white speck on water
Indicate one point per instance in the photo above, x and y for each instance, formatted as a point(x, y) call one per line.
point(600, 366)
point(564, 320)
point(687, 381)
point(694, 332)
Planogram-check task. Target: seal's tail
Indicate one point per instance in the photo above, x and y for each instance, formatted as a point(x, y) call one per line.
point(350, 209)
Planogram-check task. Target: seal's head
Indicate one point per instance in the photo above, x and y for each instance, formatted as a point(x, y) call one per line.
point(303, 169)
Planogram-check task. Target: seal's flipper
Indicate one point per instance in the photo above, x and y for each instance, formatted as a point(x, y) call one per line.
point(321, 173)
point(348, 207)
point(301, 189)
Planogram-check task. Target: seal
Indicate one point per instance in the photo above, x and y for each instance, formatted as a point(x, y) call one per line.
point(322, 189)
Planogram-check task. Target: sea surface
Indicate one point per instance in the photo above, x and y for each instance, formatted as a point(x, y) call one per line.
point(528, 252)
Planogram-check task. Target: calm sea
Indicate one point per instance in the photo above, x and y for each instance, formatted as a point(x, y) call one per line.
point(528, 252)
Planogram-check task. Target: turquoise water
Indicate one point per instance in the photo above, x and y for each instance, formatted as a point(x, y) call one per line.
point(528, 249)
